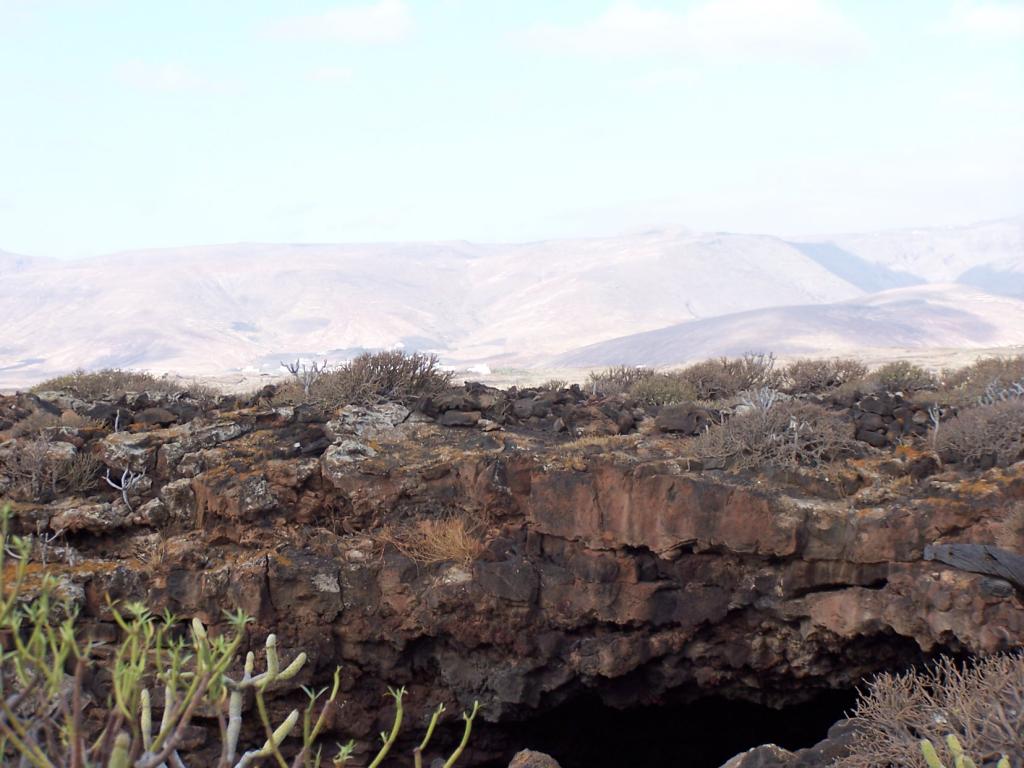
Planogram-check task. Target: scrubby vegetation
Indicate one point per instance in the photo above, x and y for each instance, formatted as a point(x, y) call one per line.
point(782, 435)
point(981, 705)
point(902, 376)
point(617, 380)
point(981, 380)
point(157, 679)
point(371, 378)
point(984, 436)
point(42, 468)
point(974, 415)
point(708, 380)
point(818, 375)
point(663, 389)
point(114, 381)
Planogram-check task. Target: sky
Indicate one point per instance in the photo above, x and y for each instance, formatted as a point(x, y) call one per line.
point(130, 124)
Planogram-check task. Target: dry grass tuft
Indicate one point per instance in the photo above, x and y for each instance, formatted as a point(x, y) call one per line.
point(604, 442)
point(451, 538)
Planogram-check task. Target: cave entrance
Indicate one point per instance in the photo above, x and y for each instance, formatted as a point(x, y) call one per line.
point(585, 733)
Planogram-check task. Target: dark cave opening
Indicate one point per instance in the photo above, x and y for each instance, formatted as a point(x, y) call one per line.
point(585, 733)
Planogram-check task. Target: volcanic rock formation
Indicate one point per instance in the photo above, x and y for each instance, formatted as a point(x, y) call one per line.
point(611, 568)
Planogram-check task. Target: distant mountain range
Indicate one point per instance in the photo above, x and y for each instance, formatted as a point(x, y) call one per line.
point(654, 298)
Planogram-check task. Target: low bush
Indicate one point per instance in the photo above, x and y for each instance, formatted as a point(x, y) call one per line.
point(980, 704)
point(377, 377)
point(617, 380)
point(92, 385)
point(972, 381)
point(708, 380)
point(663, 389)
point(983, 436)
point(902, 376)
point(788, 434)
point(817, 375)
point(46, 663)
point(727, 377)
point(39, 469)
point(553, 385)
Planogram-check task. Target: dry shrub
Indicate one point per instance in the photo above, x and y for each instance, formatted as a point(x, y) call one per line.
point(663, 389)
point(727, 377)
point(377, 377)
point(39, 470)
point(971, 381)
point(902, 376)
point(554, 385)
point(789, 434)
point(451, 538)
point(617, 380)
point(80, 474)
point(814, 375)
point(91, 385)
point(982, 704)
point(708, 380)
point(35, 424)
point(986, 435)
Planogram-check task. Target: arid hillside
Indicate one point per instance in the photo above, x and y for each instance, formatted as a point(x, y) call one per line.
point(243, 308)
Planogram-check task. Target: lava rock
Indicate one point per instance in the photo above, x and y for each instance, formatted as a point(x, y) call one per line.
point(527, 758)
point(876, 439)
point(459, 418)
point(685, 419)
point(156, 416)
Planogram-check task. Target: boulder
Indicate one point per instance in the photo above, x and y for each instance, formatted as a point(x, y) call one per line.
point(765, 756)
point(156, 416)
point(459, 418)
point(527, 758)
point(684, 418)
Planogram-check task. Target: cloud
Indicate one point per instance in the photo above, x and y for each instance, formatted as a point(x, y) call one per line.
point(331, 75)
point(385, 21)
point(670, 78)
point(988, 20)
point(168, 77)
point(799, 29)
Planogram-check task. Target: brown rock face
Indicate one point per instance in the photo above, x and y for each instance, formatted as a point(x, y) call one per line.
point(613, 570)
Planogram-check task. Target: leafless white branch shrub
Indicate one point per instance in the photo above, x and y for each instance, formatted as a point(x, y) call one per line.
point(762, 398)
point(306, 375)
point(128, 482)
point(995, 392)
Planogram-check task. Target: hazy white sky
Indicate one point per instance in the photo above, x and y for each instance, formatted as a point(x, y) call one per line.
point(137, 123)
